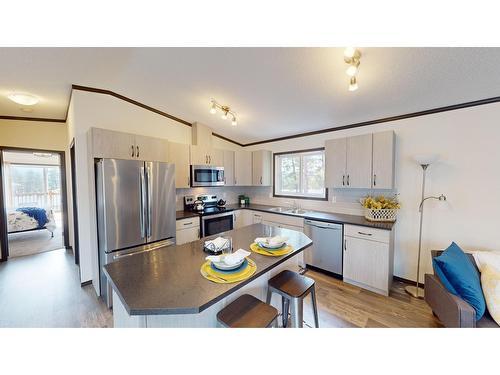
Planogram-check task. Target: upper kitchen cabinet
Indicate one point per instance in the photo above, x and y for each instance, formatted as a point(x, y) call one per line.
point(202, 155)
point(216, 157)
point(384, 160)
point(364, 161)
point(151, 149)
point(242, 168)
point(335, 162)
point(199, 155)
point(359, 162)
point(118, 145)
point(228, 167)
point(178, 154)
point(261, 168)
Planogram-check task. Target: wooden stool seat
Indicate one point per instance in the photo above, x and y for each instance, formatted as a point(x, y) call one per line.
point(293, 288)
point(247, 311)
point(291, 283)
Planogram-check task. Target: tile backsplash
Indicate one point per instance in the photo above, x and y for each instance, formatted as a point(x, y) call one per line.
point(339, 200)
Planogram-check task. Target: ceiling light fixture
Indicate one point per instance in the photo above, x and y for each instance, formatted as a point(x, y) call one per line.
point(23, 99)
point(352, 57)
point(226, 110)
point(353, 85)
point(213, 109)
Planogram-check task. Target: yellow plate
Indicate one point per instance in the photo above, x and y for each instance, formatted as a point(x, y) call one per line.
point(272, 253)
point(226, 278)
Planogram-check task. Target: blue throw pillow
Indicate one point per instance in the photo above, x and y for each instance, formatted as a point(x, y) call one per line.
point(459, 273)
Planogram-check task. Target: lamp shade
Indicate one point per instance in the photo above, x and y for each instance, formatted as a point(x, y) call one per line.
point(426, 159)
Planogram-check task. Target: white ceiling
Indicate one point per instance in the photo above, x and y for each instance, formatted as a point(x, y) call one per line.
point(275, 91)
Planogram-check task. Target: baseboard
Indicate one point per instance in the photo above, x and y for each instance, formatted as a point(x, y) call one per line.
point(85, 283)
point(397, 278)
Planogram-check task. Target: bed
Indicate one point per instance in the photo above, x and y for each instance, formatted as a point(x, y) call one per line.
point(25, 219)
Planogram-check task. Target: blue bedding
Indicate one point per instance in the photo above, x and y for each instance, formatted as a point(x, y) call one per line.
point(39, 214)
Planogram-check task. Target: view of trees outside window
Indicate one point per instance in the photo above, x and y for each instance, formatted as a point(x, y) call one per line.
point(301, 174)
point(35, 186)
point(290, 174)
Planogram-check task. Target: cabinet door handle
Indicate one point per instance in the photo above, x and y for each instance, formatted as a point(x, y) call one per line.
point(137, 151)
point(206, 159)
point(374, 179)
point(188, 223)
point(210, 159)
point(133, 151)
point(261, 180)
point(343, 180)
point(364, 234)
point(345, 245)
point(347, 180)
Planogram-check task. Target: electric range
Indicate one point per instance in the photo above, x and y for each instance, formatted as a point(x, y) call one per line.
point(214, 217)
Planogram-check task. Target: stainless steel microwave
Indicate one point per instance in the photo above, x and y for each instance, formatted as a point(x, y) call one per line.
point(207, 175)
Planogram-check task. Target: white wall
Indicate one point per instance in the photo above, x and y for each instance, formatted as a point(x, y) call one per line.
point(103, 111)
point(468, 142)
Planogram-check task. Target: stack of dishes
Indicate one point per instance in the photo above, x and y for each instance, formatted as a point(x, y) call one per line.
point(236, 267)
point(272, 246)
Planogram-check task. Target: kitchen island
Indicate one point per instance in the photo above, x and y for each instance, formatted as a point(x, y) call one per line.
point(164, 287)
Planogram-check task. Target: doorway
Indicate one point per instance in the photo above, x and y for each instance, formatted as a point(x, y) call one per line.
point(34, 204)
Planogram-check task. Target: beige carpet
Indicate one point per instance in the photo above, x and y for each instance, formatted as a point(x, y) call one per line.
point(39, 241)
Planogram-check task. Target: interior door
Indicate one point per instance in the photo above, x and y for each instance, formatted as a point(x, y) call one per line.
point(121, 202)
point(161, 202)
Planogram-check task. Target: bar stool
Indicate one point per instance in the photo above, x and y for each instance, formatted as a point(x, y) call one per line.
point(247, 311)
point(293, 288)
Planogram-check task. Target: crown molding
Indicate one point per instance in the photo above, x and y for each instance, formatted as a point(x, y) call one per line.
point(18, 118)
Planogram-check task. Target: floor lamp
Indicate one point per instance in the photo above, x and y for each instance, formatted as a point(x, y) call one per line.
point(424, 161)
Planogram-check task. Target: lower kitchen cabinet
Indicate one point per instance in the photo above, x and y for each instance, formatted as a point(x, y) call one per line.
point(187, 230)
point(368, 258)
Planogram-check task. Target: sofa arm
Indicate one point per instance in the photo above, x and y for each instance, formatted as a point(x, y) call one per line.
point(451, 310)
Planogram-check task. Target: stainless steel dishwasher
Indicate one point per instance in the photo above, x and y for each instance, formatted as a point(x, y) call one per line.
point(326, 251)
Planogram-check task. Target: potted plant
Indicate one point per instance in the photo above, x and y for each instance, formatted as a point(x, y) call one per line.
point(380, 208)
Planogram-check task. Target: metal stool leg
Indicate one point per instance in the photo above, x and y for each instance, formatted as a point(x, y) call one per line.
point(269, 294)
point(285, 305)
point(297, 313)
point(315, 307)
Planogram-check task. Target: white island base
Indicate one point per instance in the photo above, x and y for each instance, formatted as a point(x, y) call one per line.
point(207, 318)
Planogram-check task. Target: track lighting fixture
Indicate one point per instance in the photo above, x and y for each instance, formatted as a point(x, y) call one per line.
point(353, 84)
point(352, 57)
point(226, 110)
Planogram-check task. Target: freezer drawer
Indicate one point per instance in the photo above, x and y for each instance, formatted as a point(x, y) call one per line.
point(326, 251)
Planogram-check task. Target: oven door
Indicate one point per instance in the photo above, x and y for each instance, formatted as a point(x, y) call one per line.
point(214, 224)
point(204, 175)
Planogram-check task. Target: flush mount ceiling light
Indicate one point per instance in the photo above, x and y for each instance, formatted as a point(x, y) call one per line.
point(352, 57)
point(23, 99)
point(226, 110)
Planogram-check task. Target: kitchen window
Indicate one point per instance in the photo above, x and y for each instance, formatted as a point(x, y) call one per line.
point(300, 174)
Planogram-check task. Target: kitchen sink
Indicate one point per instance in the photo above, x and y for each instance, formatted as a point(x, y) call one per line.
point(287, 210)
point(296, 211)
point(279, 209)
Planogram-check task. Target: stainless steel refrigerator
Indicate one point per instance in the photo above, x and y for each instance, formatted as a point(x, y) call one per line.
point(135, 210)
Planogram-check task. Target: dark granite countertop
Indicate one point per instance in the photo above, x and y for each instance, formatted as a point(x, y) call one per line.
point(329, 217)
point(168, 280)
point(179, 215)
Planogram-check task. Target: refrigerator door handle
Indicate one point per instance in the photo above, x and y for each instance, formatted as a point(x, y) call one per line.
point(143, 203)
point(150, 193)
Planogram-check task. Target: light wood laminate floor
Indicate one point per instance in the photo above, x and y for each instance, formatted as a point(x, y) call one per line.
point(345, 305)
point(43, 290)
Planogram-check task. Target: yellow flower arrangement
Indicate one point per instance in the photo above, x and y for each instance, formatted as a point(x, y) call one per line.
point(380, 203)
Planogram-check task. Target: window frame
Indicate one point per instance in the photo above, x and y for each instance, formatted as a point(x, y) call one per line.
point(277, 154)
